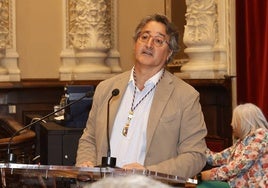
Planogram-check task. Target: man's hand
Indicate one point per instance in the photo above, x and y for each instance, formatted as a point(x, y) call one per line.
point(134, 166)
point(86, 164)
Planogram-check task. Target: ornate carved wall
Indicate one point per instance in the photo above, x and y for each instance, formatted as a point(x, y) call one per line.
point(90, 40)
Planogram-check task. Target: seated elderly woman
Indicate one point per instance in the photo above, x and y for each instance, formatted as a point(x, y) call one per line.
point(245, 163)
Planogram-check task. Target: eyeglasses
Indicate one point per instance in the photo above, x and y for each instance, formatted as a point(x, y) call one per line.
point(158, 41)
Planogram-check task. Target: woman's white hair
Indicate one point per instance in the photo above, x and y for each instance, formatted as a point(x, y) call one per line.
point(250, 117)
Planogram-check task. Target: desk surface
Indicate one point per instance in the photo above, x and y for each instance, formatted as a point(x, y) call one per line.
point(52, 126)
point(91, 174)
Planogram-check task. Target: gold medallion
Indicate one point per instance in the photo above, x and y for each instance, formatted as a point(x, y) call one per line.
point(125, 130)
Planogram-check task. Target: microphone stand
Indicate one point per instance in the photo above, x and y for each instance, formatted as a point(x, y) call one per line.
point(109, 161)
point(11, 156)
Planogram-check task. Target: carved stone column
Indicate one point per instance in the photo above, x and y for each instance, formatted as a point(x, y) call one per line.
point(8, 56)
point(3, 35)
point(90, 45)
point(113, 55)
point(207, 38)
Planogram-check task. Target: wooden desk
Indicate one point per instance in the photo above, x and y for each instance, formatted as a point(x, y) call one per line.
point(58, 144)
point(23, 175)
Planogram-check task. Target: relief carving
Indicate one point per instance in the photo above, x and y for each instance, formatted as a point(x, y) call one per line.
point(4, 24)
point(9, 70)
point(201, 23)
point(89, 24)
point(202, 38)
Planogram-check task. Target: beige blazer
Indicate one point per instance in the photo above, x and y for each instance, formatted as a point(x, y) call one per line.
point(175, 132)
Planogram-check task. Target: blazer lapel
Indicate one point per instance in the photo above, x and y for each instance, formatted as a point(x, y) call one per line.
point(120, 84)
point(161, 96)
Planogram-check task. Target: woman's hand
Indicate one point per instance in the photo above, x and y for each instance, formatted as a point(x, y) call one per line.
point(206, 175)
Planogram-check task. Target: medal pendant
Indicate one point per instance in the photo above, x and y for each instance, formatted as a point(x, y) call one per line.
point(125, 130)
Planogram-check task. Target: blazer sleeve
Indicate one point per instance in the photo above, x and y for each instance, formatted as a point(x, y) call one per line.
point(87, 150)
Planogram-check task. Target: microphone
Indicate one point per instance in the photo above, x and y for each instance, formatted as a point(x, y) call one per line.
point(10, 156)
point(109, 161)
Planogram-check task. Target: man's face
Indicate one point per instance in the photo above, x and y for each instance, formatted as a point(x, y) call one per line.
point(151, 47)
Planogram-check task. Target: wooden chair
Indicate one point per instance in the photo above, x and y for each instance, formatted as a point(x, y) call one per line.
point(215, 143)
point(22, 145)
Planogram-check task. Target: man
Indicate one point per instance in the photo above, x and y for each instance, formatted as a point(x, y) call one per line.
point(156, 121)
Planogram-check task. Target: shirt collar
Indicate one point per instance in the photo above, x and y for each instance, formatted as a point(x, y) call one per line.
point(154, 79)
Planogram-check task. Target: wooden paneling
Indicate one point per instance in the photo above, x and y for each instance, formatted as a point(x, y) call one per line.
point(39, 97)
point(33, 96)
point(216, 102)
